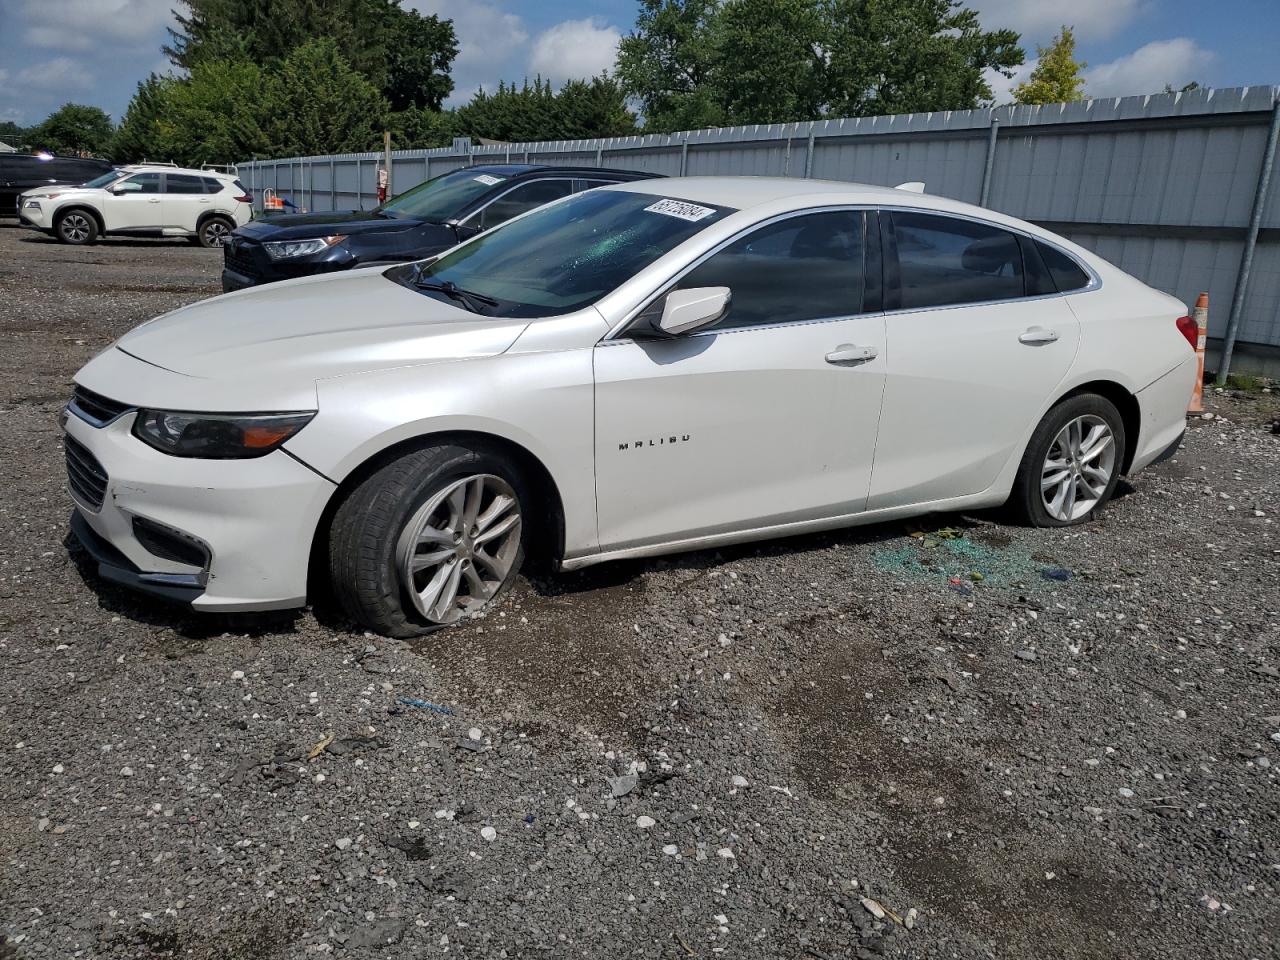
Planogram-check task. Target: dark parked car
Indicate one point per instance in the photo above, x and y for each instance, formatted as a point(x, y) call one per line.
point(21, 171)
point(419, 223)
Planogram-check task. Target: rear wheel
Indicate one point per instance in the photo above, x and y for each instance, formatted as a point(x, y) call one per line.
point(76, 227)
point(428, 540)
point(1072, 464)
point(214, 232)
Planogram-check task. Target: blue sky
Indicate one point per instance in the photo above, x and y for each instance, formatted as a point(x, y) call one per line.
point(95, 51)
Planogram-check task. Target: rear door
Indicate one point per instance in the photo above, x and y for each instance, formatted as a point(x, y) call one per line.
point(184, 201)
point(767, 418)
point(976, 346)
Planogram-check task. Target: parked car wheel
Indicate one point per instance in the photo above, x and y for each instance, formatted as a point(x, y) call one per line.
point(1072, 464)
point(77, 227)
point(214, 231)
point(428, 540)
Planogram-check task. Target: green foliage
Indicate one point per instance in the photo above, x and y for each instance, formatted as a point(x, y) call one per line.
point(13, 135)
point(315, 103)
point(137, 137)
point(694, 63)
point(1057, 76)
point(405, 55)
point(421, 127)
point(595, 108)
point(215, 116)
point(74, 129)
point(669, 64)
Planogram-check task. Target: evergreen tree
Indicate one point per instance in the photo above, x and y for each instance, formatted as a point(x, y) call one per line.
point(1057, 75)
point(315, 103)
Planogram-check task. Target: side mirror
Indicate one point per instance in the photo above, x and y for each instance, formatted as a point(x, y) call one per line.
point(684, 311)
point(126, 187)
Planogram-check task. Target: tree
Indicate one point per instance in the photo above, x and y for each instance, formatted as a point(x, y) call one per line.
point(667, 63)
point(138, 137)
point(217, 115)
point(1057, 76)
point(708, 62)
point(911, 56)
point(74, 129)
point(404, 54)
point(582, 109)
point(316, 104)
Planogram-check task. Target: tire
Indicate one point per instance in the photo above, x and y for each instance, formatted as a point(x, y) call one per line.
point(76, 227)
point(213, 232)
point(1058, 488)
point(374, 542)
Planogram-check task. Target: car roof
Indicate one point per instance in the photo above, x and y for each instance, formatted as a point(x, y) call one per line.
point(185, 171)
point(794, 193)
point(512, 170)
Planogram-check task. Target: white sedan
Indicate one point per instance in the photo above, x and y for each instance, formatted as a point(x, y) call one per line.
point(657, 366)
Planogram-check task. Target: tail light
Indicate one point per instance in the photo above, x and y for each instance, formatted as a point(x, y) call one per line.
point(245, 198)
point(1189, 329)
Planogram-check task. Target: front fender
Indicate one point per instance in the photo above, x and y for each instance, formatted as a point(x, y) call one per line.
point(524, 398)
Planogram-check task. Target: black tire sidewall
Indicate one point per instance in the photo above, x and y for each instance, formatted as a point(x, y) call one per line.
point(384, 503)
point(1027, 500)
point(202, 234)
point(93, 227)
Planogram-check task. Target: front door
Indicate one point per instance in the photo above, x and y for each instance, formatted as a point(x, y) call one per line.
point(977, 349)
point(134, 203)
point(767, 418)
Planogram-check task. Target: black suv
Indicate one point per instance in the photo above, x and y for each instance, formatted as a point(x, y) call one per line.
point(21, 171)
point(420, 223)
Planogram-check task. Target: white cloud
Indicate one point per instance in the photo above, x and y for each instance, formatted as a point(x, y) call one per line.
point(85, 24)
point(60, 75)
point(488, 39)
point(575, 50)
point(1149, 68)
point(1039, 20)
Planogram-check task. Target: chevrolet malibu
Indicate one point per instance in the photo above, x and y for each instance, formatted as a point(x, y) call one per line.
point(658, 366)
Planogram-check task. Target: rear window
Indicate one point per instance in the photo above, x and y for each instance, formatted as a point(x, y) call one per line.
point(183, 183)
point(1066, 273)
point(947, 260)
point(212, 185)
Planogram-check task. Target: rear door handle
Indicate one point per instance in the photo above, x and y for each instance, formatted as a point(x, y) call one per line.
point(1034, 335)
point(850, 354)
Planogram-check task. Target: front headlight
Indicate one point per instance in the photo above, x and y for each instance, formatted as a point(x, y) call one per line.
point(217, 436)
point(284, 249)
point(33, 204)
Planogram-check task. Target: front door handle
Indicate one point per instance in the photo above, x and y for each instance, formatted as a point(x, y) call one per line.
point(1035, 335)
point(849, 354)
point(153, 200)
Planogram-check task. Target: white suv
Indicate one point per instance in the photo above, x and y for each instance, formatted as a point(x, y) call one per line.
point(141, 200)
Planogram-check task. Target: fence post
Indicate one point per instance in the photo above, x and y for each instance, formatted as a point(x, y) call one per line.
point(599, 157)
point(684, 156)
point(1250, 244)
point(333, 184)
point(359, 186)
point(808, 156)
point(990, 164)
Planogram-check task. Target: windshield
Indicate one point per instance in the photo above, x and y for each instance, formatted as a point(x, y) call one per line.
point(103, 179)
point(567, 255)
point(442, 197)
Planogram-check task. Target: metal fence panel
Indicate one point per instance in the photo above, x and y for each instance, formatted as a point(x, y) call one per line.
point(1163, 186)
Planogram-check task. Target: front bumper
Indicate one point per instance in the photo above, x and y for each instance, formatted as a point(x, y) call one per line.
point(254, 520)
point(38, 218)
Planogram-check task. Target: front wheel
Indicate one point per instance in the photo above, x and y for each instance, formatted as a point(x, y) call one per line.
point(1071, 465)
point(76, 227)
point(428, 540)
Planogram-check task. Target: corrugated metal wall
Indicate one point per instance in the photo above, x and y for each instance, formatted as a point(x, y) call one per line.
point(1162, 186)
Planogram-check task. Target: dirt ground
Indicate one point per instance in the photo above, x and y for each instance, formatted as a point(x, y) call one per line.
point(945, 738)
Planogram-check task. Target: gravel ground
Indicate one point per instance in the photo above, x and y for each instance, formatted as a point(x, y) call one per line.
point(980, 741)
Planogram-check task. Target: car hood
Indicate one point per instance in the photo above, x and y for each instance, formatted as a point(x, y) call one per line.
point(303, 226)
point(61, 190)
point(265, 348)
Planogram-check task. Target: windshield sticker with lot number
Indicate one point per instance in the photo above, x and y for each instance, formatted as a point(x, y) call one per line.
point(680, 209)
point(487, 180)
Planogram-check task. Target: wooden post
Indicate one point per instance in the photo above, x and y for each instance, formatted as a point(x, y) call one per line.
point(1201, 316)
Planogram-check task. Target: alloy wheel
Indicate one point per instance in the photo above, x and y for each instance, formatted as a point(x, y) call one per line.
point(1078, 468)
point(215, 233)
point(75, 227)
point(457, 550)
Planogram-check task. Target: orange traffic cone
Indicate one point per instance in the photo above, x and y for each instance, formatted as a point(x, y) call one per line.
point(1201, 316)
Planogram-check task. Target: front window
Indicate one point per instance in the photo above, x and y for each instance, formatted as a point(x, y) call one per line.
point(442, 198)
point(565, 256)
